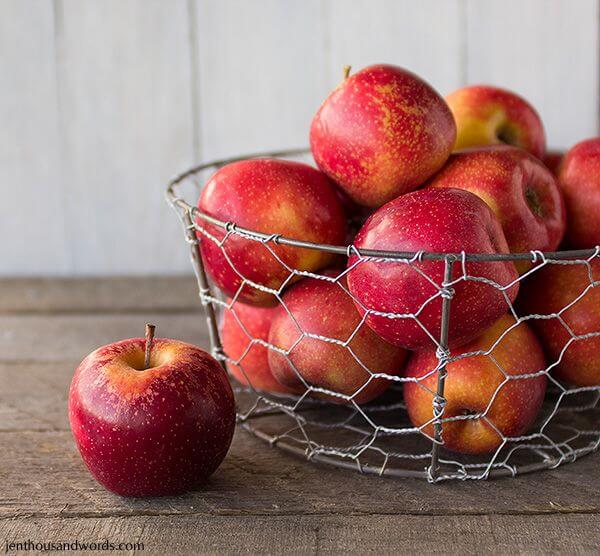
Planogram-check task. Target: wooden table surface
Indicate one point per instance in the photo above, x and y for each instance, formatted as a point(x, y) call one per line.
point(260, 500)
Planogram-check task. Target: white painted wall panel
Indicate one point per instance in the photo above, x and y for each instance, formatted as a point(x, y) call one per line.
point(31, 207)
point(547, 50)
point(260, 73)
point(103, 100)
point(423, 36)
point(125, 93)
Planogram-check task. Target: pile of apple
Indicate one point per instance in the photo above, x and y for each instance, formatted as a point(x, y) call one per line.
point(466, 173)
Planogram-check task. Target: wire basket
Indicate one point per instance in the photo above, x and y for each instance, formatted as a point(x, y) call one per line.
point(334, 427)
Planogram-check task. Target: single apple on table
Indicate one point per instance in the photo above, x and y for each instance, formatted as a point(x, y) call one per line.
point(273, 197)
point(551, 290)
point(324, 309)
point(487, 115)
point(440, 221)
point(241, 324)
point(382, 132)
point(519, 189)
point(475, 385)
point(579, 179)
point(151, 417)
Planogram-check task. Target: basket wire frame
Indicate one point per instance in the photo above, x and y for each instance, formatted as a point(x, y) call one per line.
point(313, 428)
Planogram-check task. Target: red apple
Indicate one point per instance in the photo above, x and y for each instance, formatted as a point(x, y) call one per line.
point(519, 189)
point(325, 309)
point(273, 197)
point(550, 290)
point(580, 183)
point(151, 431)
point(475, 386)
point(240, 327)
point(553, 161)
point(488, 115)
point(381, 133)
point(433, 220)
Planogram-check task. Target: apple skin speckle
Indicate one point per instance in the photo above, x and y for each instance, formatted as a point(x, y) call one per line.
point(151, 432)
point(579, 179)
point(323, 308)
point(471, 385)
point(274, 197)
point(381, 133)
point(239, 326)
point(487, 115)
point(519, 189)
point(438, 221)
point(550, 290)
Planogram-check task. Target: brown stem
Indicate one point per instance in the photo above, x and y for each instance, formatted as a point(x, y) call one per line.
point(347, 71)
point(150, 328)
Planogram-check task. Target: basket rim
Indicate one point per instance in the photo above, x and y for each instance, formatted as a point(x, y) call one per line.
point(178, 202)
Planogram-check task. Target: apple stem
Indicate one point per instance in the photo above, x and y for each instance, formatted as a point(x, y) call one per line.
point(150, 328)
point(347, 71)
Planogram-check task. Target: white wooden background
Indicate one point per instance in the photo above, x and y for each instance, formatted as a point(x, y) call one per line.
point(103, 100)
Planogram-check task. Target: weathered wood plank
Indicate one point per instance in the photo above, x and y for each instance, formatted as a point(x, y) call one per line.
point(41, 474)
point(547, 50)
point(34, 396)
point(379, 534)
point(132, 294)
point(71, 337)
point(425, 38)
point(125, 96)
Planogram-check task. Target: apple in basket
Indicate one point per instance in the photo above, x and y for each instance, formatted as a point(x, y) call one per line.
point(274, 197)
point(241, 327)
point(568, 289)
point(409, 294)
point(491, 397)
point(151, 417)
point(328, 345)
point(580, 183)
point(519, 189)
point(382, 132)
point(488, 115)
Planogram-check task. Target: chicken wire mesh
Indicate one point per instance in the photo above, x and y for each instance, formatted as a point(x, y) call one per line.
point(342, 425)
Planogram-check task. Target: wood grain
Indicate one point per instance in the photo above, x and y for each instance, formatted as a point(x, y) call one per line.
point(260, 500)
point(97, 295)
point(71, 337)
point(471, 535)
point(43, 476)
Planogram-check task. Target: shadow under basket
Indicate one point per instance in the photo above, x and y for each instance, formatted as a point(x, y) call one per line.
point(378, 437)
